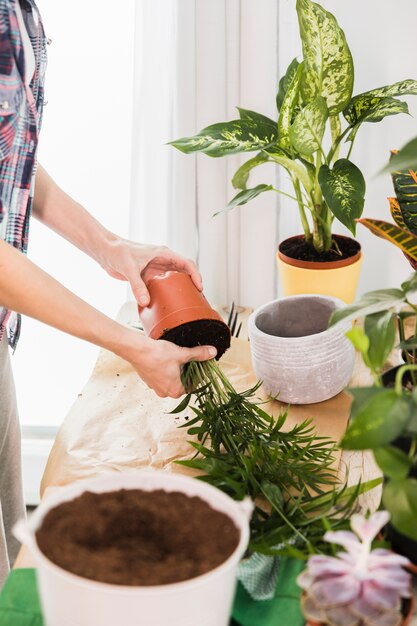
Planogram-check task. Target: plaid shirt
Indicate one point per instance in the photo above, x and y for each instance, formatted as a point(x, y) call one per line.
point(20, 122)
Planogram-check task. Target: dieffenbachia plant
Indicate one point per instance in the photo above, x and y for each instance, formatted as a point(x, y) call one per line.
point(315, 95)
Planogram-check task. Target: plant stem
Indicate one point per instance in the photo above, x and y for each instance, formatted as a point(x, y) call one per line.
point(304, 221)
point(336, 129)
point(336, 144)
point(399, 376)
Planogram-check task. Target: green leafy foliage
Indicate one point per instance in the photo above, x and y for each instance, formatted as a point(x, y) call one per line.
point(241, 176)
point(366, 104)
point(288, 109)
point(343, 189)
point(378, 421)
point(380, 331)
point(288, 473)
point(395, 463)
point(328, 70)
point(306, 133)
point(246, 195)
point(405, 159)
point(369, 303)
point(285, 82)
point(400, 499)
point(243, 135)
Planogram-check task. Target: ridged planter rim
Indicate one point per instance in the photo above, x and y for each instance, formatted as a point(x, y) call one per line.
point(318, 265)
point(331, 333)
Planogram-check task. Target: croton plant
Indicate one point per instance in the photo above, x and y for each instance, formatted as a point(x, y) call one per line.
point(315, 95)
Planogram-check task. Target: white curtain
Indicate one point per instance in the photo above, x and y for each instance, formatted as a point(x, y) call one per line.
point(196, 60)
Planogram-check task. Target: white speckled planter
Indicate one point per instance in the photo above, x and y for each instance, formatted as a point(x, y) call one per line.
point(294, 352)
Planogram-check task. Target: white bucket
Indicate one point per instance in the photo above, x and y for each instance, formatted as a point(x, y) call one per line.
point(69, 600)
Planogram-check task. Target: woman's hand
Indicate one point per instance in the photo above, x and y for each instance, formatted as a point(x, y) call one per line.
point(159, 363)
point(136, 263)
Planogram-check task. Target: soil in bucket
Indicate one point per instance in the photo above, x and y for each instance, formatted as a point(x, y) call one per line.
point(298, 248)
point(136, 537)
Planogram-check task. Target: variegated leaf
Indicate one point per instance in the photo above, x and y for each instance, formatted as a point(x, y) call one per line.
point(405, 185)
point(403, 239)
point(328, 69)
point(377, 109)
point(285, 82)
point(288, 107)
point(343, 188)
point(395, 211)
point(241, 176)
point(246, 196)
point(306, 133)
point(244, 135)
point(247, 114)
point(294, 168)
point(358, 106)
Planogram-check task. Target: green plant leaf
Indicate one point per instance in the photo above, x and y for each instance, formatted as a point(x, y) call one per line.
point(182, 405)
point(258, 118)
point(393, 462)
point(273, 494)
point(244, 135)
point(328, 69)
point(400, 237)
point(241, 176)
point(378, 109)
point(380, 420)
point(371, 302)
point(245, 196)
point(343, 188)
point(399, 497)
point(405, 186)
point(294, 168)
point(409, 286)
point(289, 104)
point(361, 395)
point(362, 103)
point(405, 159)
point(306, 133)
point(358, 339)
point(380, 330)
point(285, 82)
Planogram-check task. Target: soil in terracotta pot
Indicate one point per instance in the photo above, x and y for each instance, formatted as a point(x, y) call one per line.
point(201, 333)
point(135, 537)
point(303, 251)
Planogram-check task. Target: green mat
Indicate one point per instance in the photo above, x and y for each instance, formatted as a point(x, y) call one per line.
point(19, 602)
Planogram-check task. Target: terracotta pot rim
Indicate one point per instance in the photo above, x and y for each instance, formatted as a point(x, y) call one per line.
point(181, 317)
point(318, 265)
point(406, 618)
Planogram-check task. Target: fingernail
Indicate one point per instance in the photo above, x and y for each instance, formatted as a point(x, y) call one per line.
point(143, 300)
point(212, 352)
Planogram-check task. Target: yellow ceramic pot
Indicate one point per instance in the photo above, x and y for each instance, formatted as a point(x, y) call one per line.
point(338, 279)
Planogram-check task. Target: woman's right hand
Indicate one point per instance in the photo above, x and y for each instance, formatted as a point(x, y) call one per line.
point(159, 363)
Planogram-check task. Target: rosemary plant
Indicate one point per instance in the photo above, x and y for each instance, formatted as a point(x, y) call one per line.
point(242, 450)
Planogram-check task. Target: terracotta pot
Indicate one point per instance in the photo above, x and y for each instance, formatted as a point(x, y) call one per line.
point(180, 313)
point(294, 352)
point(337, 279)
point(407, 610)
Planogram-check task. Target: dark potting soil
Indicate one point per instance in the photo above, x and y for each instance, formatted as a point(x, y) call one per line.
point(135, 537)
point(201, 333)
point(299, 249)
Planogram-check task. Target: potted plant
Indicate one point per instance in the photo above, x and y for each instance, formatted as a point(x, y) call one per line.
point(384, 416)
point(359, 586)
point(317, 116)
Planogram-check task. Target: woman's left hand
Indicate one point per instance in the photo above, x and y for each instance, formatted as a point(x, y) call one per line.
point(137, 263)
